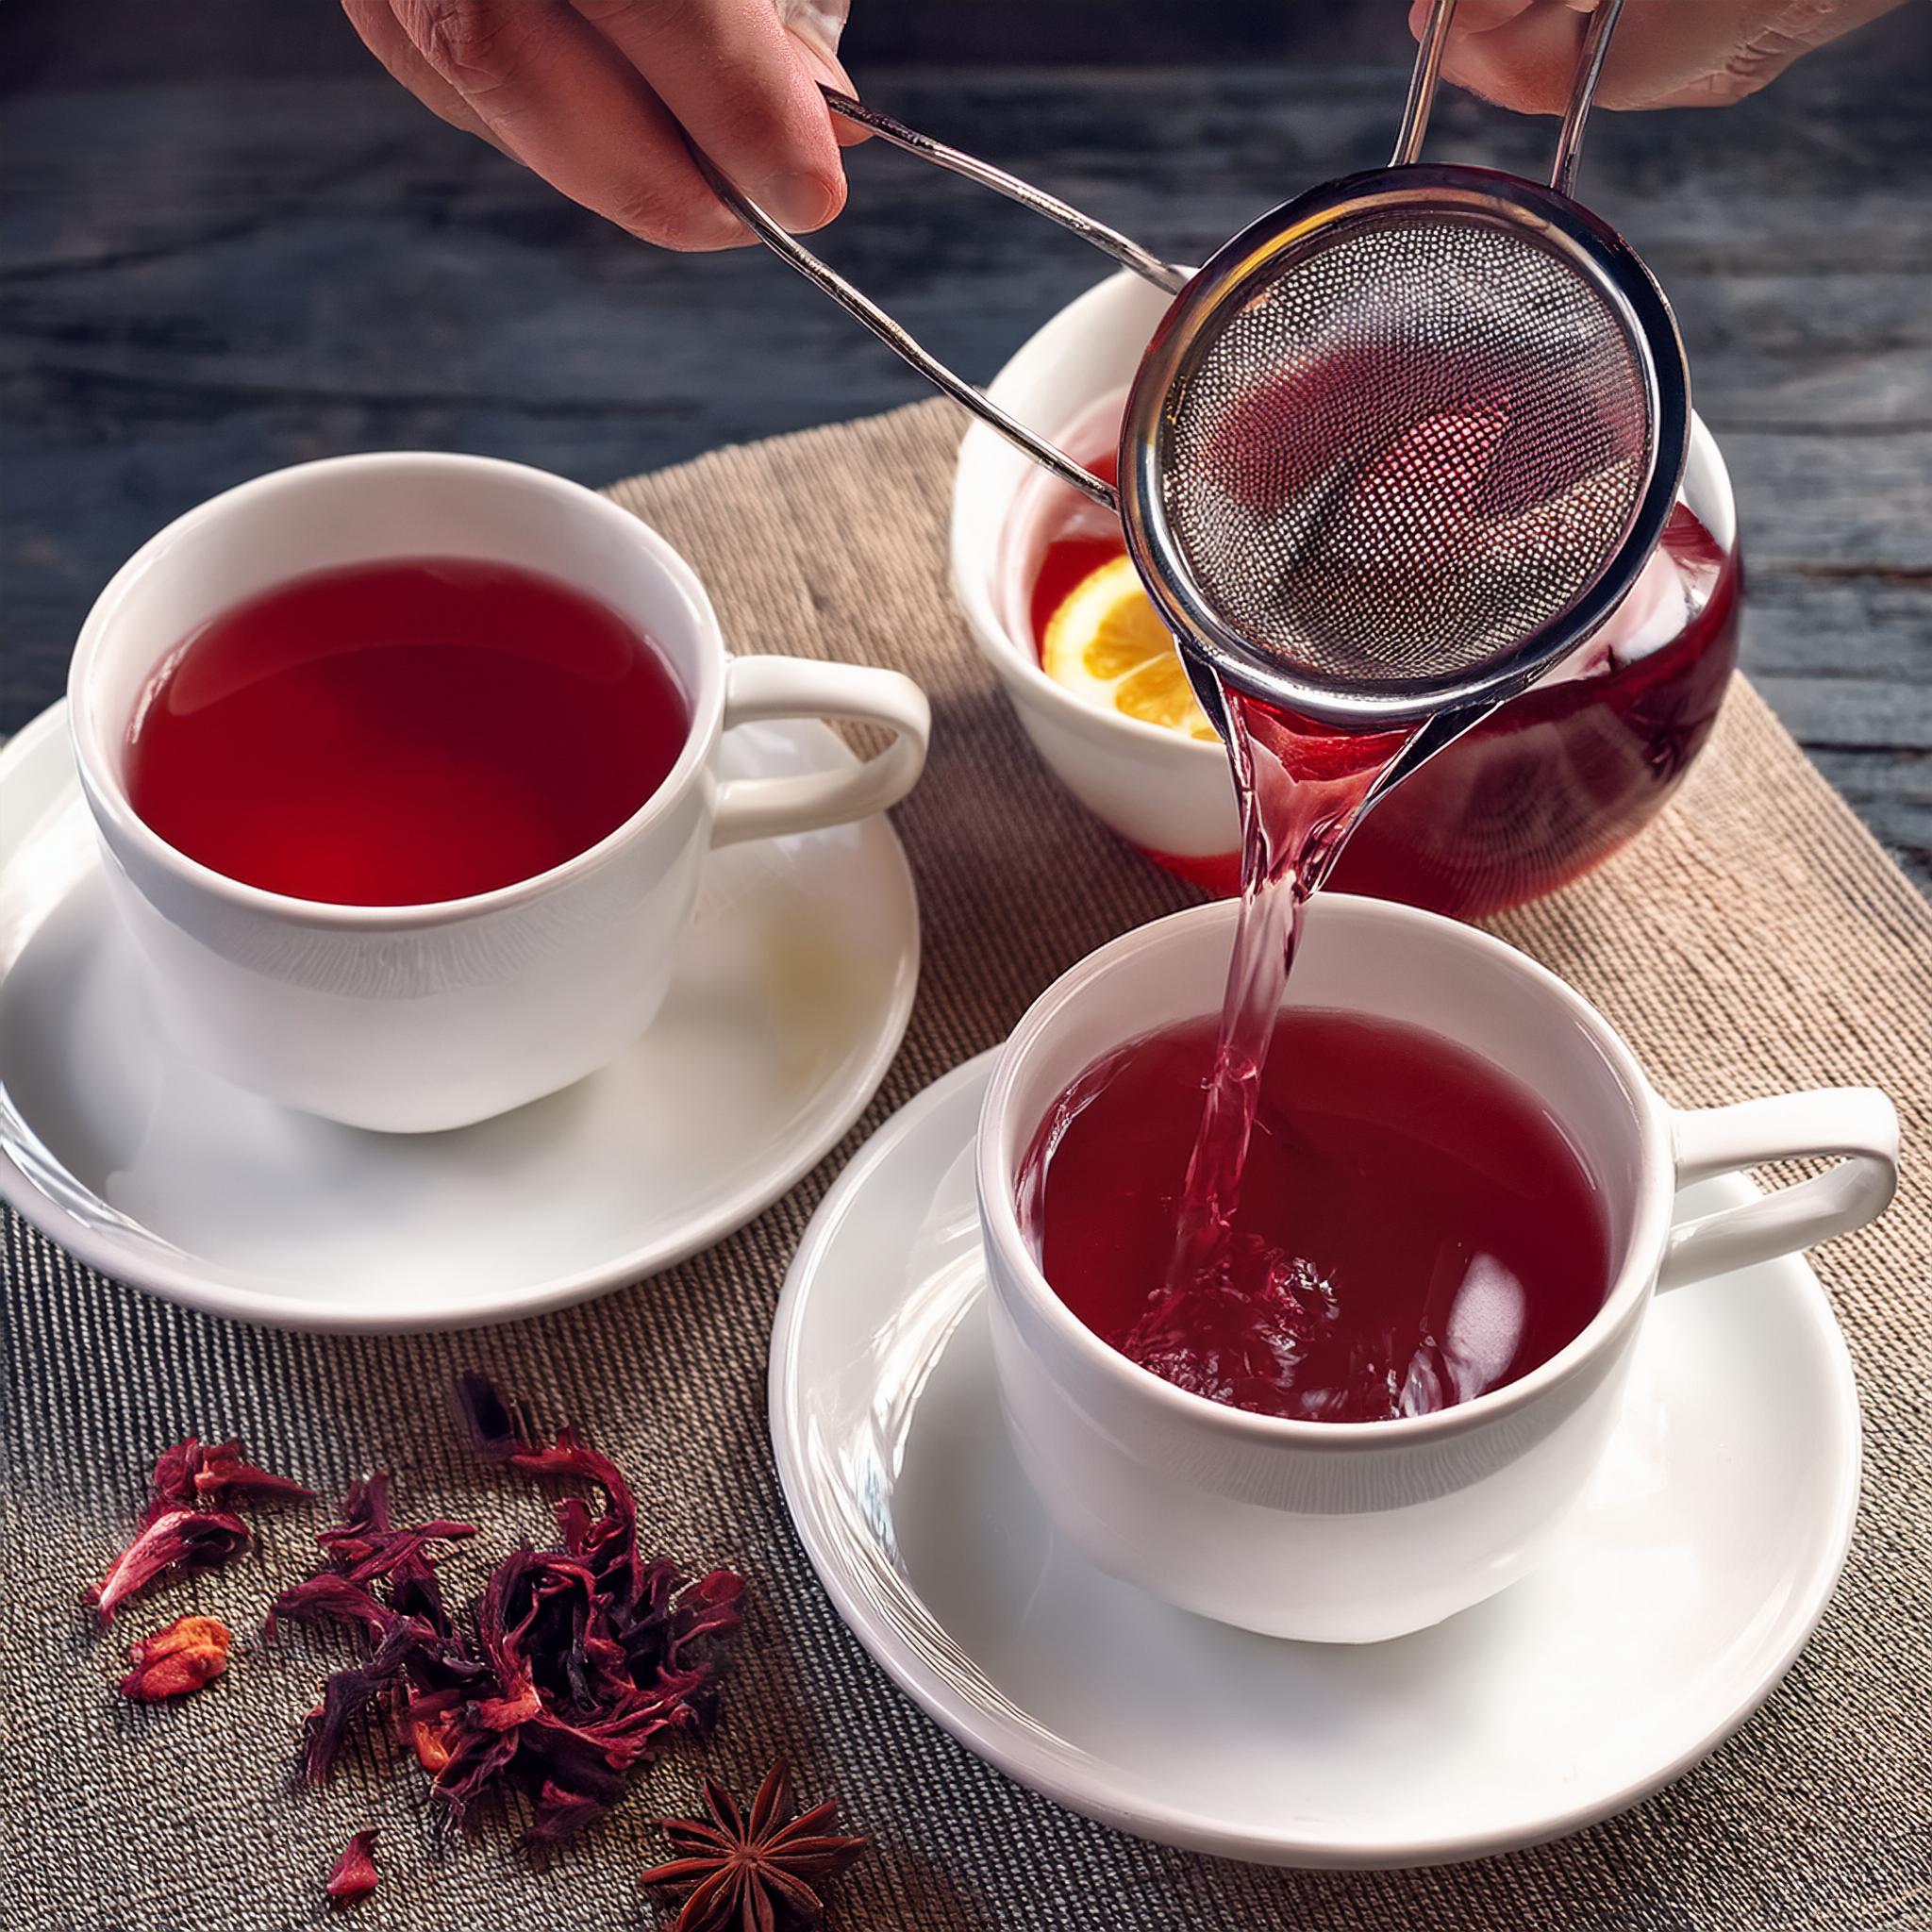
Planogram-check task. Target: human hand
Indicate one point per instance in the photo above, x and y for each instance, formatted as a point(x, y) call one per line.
point(1666, 53)
point(591, 94)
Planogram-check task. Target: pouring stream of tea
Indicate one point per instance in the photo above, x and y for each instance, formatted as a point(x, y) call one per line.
point(1301, 790)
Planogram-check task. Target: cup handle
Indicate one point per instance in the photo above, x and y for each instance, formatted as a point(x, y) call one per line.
point(1857, 1124)
point(757, 687)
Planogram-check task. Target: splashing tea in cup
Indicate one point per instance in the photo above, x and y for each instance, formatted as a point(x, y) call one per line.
point(1412, 1229)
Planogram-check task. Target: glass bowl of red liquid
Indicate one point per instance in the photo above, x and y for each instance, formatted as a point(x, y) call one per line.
point(1546, 789)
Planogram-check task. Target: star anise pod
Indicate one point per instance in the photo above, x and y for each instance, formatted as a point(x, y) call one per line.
point(761, 1874)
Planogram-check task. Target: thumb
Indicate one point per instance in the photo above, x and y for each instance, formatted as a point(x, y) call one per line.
point(815, 26)
point(1529, 62)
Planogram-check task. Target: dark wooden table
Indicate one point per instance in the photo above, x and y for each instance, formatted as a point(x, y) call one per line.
point(202, 279)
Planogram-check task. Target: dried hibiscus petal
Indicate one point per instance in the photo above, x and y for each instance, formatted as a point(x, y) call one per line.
point(347, 1694)
point(328, 1598)
point(188, 1653)
point(176, 1529)
point(353, 1875)
point(583, 1656)
point(499, 1424)
point(368, 1544)
point(223, 1473)
point(170, 1484)
point(177, 1540)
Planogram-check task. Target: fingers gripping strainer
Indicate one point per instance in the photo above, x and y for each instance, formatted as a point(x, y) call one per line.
point(1398, 446)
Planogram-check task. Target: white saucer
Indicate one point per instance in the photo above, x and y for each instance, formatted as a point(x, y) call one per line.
point(1690, 1578)
point(792, 991)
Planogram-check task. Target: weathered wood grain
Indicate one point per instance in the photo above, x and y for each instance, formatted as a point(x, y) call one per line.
point(200, 281)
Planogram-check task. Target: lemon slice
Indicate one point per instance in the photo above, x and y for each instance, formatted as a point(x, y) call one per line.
point(1106, 646)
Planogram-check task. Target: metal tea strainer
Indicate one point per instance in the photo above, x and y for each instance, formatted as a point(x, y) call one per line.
point(1398, 446)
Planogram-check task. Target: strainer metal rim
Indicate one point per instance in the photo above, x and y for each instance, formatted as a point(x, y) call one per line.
point(1506, 201)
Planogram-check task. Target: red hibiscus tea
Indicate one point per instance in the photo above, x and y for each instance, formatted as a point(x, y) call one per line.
point(403, 732)
point(1410, 1230)
point(1555, 782)
point(1314, 1215)
point(1310, 1214)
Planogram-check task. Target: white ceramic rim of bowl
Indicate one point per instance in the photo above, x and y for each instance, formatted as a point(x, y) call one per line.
point(103, 781)
point(1016, 659)
point(1646, 1232)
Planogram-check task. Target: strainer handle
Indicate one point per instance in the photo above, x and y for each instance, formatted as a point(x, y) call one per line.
point(1125, 251)
point(863, 309)
point(1422, 85)
point(1428, 71)
point(1596, 46)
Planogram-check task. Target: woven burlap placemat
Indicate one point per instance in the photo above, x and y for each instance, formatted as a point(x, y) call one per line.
point(1755, 939)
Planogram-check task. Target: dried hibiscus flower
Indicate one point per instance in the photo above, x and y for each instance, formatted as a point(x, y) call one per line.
point(191, 1652)
point(368, 1547)
point(353, 1875)
point(765, 1870)
point(179, 1529)
point(368, 1544)
point(175, 1540)
point(221, 1471)
point(581, 1658)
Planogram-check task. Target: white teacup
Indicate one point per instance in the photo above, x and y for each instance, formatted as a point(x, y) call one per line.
point(1352, 1532)
point(419, 1017)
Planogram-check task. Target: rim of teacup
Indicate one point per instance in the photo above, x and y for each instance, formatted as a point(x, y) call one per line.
point(1001, 1136)
point(976, 566)
point(93, 738)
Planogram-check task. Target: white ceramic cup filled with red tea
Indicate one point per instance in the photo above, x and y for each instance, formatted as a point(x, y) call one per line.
point(1454, 1221)
point(405, 770)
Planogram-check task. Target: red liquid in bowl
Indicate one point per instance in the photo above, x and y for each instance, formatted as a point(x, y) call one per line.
point(1556, 780)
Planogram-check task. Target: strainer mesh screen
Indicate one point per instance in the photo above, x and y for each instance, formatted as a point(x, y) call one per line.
point(1411, 448)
